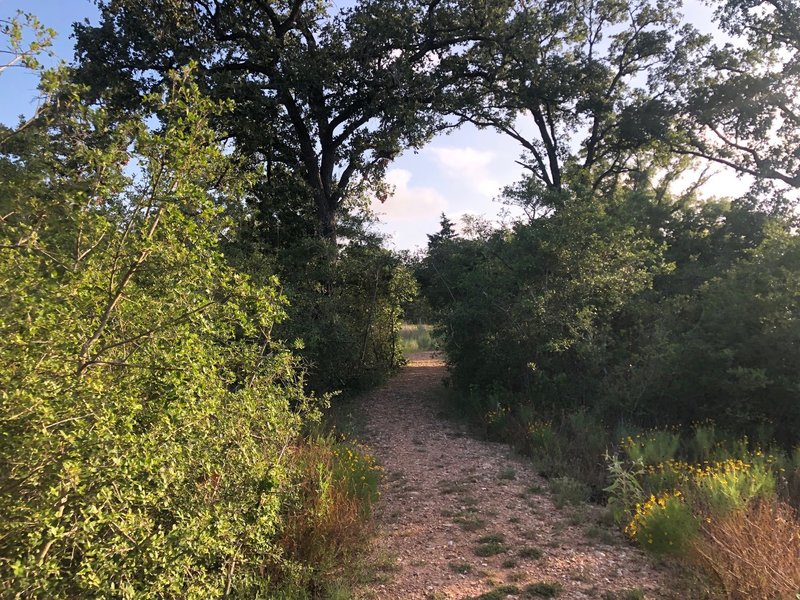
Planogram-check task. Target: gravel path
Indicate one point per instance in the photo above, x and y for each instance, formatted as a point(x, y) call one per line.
point(444, 491)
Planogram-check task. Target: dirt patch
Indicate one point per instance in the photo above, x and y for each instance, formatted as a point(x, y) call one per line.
point(459, 517)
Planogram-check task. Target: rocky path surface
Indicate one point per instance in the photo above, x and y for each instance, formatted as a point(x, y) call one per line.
point(461, 517)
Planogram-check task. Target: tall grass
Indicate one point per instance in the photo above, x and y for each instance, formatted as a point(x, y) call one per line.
point(328, 525)
point(754, 553)
point(416, 338)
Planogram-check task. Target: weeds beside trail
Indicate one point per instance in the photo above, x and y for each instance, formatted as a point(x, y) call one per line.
point(464, 518)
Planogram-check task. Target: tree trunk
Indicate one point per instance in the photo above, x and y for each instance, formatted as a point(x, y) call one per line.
point(326, 216)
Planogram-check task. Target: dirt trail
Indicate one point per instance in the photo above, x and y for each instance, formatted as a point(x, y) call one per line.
point(444, 490)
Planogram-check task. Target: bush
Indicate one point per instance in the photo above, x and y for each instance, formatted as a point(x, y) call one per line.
point(653, 447)
point(735, 346)
point(573, 447)
point(682, 494)
point(539, 437)
point(147, 416)
point(344, 308)
point(754, 553)
point(567, 490)
point(490, 548)
point(664, 524)
point(724, 487)
point(527, 308)
point(416, 338)
point(543, 589)
point(625, 491)
point(326, 519)
point(703, 441)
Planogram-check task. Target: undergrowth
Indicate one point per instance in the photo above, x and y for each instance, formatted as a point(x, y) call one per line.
point(754, 553)
point(722, 511)
point(681, 492)
point(329, 521)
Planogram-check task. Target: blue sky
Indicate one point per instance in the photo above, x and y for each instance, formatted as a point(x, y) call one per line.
point(460, 173)
point(18, 86)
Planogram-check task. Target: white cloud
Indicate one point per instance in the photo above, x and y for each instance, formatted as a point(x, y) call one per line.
point(463, 160)
point(470, 166)
point(408, 203)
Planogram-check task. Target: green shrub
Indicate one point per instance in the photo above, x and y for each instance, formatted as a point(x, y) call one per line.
point(540, 440)
point(325, 519)
point(683, 495)
point(625, 491)
point(529, 552)
point(510, 563)
point(490, 549)
point(499, 593)
point(724, 487)
point(664, 524)
point(469, 522)
point(540, 436)
point(567, 490)
point(703, 441)
point(416, 338)
point(460, 566)
point(572, 447)
point(148, 416)
point(653, 447)
point(507, 473)
point(543, 589)
point(356, 468)
point(344, 298)
point(496, 414)
point(668, 475)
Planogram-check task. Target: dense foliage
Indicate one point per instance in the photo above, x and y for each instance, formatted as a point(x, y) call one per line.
point(149, 417)
point(131, 360)
point(617, 293)
point(570, 331)
point(638, 307)
point(345, 305)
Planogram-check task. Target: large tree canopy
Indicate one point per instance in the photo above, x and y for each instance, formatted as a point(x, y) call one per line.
point(592, 75)
point(740, 104)
point(335, 97)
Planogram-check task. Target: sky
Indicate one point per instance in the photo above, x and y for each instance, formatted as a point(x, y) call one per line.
point(460, 173)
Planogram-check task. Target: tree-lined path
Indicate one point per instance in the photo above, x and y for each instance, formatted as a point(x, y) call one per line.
point(444, 491)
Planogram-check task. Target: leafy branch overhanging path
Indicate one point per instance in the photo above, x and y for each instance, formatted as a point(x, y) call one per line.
point(443, 491)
